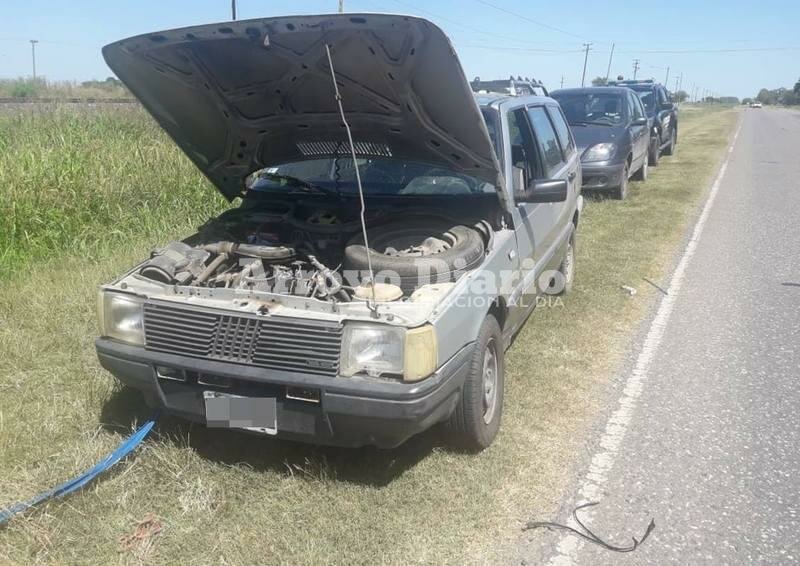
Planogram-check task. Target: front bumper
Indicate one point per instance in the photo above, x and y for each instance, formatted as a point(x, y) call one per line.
point(350, 412)
point(602, 175)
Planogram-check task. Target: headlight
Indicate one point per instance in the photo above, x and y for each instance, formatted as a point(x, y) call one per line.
point(378, 349)
point(121, 317)
point(599, 152)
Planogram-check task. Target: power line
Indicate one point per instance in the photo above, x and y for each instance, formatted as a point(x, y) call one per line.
point(462, 25)
point(527, 19)
point(527, 49)
point(691, 51)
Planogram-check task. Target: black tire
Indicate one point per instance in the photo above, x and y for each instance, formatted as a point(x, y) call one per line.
point(673, 141)
point(622, 191)
point(641, 174)
point(654, 153)
point(464, 252)
point(468, 425)
point(567, 266)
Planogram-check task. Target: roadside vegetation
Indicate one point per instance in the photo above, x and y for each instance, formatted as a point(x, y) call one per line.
point(84, 194)
point(81, 182)
point(41, 87)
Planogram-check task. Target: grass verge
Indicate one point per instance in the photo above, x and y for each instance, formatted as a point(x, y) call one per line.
point(230, 498)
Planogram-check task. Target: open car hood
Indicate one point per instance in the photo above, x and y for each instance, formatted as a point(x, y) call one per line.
point(240, 96)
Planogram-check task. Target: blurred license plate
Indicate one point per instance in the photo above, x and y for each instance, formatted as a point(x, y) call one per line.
point(257, 414)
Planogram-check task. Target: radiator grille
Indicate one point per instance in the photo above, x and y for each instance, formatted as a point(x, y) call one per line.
point(280, 343)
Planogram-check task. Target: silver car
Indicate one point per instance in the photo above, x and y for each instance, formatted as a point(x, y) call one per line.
point(391, 232)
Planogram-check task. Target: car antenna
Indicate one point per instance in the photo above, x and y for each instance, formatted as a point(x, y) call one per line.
point(373, 307)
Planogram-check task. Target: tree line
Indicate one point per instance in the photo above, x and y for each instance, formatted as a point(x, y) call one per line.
point(781, 95)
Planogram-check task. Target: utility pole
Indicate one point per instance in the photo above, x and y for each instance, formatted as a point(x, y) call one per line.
point(233, 9)
point(585, 60)
point(341, 6)
point(666, 81)
point(635, 68)
point(610, 57)
point(562, 81)
point(680, 81)
point(33, 56)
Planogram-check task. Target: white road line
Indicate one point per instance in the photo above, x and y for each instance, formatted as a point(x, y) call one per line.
point(596, 477)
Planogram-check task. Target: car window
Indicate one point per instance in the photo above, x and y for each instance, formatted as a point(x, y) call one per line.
point(547, 139)
point(523, 149)
point(662, 96)
point(564, 136)
point(602, 109)
point(636, 106)
point(490, 117)
point(648, 99)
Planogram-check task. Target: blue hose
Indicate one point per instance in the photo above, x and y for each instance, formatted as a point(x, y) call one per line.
point(78, 482)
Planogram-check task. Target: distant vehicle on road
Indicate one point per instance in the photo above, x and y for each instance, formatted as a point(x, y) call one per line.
point(611, 129)
point(661, 112)
point(755, 105)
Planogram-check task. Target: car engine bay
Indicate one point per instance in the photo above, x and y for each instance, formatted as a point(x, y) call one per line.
point(317, 251)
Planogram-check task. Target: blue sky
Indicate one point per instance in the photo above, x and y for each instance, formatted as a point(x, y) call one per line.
point(733, 47)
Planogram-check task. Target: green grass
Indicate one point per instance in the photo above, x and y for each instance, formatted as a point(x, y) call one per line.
point(230, 498)
point(43, 88)
point(81, 182)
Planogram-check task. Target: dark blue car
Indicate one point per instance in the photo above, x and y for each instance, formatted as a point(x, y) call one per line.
point(610, 128)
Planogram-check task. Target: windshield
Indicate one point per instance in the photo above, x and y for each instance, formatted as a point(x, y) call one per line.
point(605, 109)
point(380, 176)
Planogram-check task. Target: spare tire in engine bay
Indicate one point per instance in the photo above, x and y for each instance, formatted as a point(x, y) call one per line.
point(416, 253)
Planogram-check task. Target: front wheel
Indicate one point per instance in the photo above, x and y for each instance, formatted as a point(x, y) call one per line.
point(476, 419)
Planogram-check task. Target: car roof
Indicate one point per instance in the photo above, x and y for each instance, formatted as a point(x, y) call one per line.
point(621, 90)
point(495, 99)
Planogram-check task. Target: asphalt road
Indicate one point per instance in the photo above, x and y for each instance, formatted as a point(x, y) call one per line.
point(708, 443)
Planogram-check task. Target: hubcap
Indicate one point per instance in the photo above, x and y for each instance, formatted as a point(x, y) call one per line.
point(489, 382)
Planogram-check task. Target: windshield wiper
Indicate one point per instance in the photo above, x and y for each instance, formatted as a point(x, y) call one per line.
point(306, 186)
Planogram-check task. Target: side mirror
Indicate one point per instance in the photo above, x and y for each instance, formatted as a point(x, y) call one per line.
point(553, 190)
point(666, 106)
point(639, 122)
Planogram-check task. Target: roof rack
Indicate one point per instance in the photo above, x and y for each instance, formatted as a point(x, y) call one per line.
point(631, 82)
point(510, 86)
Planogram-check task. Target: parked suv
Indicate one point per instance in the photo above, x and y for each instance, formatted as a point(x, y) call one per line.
point(663, 116)
point(302, 312)
point(611, 129)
